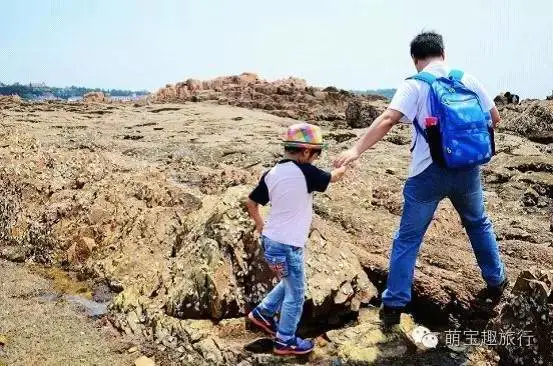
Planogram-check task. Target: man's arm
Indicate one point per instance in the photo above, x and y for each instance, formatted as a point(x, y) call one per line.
point(378, 129)
point(496, 118)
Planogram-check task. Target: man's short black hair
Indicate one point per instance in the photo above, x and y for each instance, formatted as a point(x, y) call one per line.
point(427, 44)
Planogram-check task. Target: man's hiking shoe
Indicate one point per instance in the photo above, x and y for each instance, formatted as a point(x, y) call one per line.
point(493, 294)
point(267, 323)
point(293, 346)
point(389, 316)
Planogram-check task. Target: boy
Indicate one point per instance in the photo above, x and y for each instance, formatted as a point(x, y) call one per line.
point(288, 186)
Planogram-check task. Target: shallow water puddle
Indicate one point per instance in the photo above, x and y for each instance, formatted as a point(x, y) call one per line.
point(68, 288)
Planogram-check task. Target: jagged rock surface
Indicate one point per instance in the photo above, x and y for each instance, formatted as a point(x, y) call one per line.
point(531, 118)
point(147, 200)
point(526, 320)
point(362, 114)
point(290, 98)
point(94, 97)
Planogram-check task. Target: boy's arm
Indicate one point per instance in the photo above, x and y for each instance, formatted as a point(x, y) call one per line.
point(318, 179)
point(337, 174)
point(253, 210)
point(259, 196)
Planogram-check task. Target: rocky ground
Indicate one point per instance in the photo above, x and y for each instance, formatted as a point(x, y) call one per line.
point(38, 328)
point(147, 201)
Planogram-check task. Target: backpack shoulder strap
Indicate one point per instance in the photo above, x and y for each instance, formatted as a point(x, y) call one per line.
point(419, 131)
point(423, 76)
point(456, 74)
point(429, 79)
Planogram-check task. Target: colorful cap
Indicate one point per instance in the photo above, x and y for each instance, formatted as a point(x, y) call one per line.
point(304, 135)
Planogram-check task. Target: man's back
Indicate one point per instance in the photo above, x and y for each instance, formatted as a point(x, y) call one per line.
point(411, 99)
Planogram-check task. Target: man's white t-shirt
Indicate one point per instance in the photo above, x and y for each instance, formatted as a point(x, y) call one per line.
point(411, 99)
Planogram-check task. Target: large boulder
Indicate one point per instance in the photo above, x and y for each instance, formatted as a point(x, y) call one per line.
point(94, 97)
point(218, 269)
point(531, 119)
point(289, 97)
point(9, 99)
point(360, 114)
point(506, 98)
point(525, 321)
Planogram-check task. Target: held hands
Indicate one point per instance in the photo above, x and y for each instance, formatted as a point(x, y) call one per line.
point(345, 158)
point(338, 173)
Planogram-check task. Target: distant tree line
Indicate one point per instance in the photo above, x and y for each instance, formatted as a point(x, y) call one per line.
point(388, 93)
point(29, 91)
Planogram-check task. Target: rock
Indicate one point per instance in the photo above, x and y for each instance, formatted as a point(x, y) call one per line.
point(193, 85)
point(362, 114)
point(290, 98)
point(80, 250)
point(365, 342)
point(10, 99)
point(331, 89)
point(210, 352)
point(144, 361)
point(248, 77)
point(94, 97)
point(226, 275)
point(527, 314)
point(344, 293)
point(506, 98)
point(531, 119)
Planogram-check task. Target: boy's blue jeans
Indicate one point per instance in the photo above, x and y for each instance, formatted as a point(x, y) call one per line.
point(422, 194)
point(288, 295)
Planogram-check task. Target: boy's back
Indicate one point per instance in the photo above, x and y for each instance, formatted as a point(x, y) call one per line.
point(289, 186)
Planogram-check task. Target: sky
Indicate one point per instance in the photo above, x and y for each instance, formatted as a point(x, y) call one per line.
point(351, 44)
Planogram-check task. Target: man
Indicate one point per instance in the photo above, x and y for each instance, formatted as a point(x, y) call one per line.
point(428, 183)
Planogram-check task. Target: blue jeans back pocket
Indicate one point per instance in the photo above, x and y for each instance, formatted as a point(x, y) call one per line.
point(277, 263)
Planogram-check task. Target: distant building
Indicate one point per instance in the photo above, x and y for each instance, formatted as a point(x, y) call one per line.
point(132, 97)
point(74, 99)
point(37, 85)
point(47, 96)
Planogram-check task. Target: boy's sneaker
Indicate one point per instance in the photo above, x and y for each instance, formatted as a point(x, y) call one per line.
point(390, 316)
point(267, 323)
point(293, 346)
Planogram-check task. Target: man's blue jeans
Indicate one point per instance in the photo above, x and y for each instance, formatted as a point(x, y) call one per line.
point(288, 295)
point(422, 194)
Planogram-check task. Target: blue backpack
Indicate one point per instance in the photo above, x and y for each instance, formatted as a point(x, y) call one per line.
point(466, 138)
